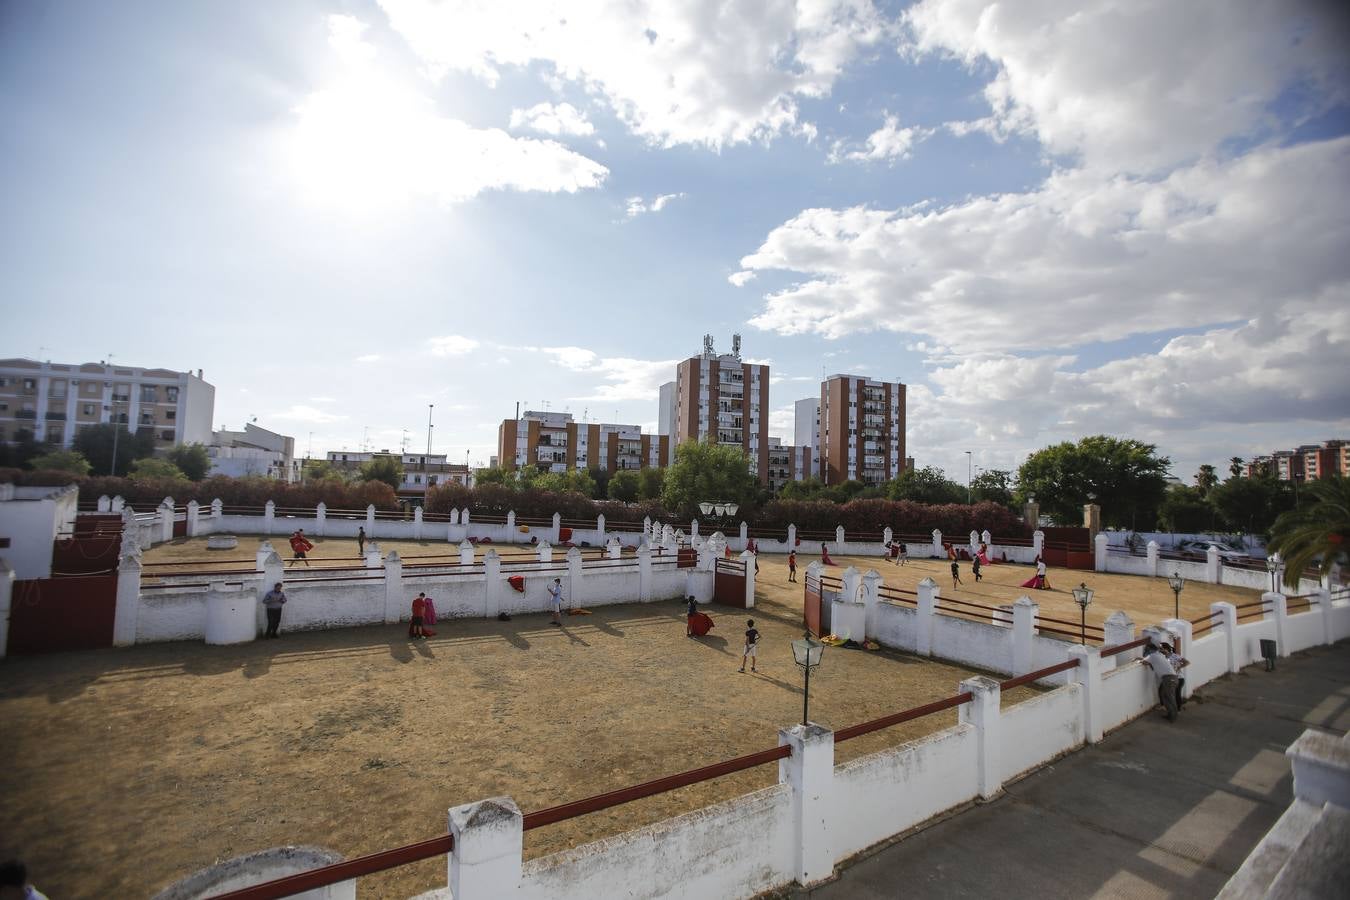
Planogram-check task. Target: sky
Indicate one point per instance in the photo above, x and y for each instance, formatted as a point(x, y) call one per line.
point(1049, 219)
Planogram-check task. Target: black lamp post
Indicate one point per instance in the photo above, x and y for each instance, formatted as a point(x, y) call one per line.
point(806, 653)
point(1177, 583)
point(1272, 565)
point(1083, 594)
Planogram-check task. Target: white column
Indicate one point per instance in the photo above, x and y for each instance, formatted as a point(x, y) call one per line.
point(466, 553)
point(646, 526)
point(511, 526)
point(1280, 613)
point(373, 559)
point(923, 622)
point(644, 558)
point(1024, 634)
point(982, 712)
point(393, 588)
point(417, 523)
point(370, 520)
point(489, 841)
point(1229, 624)
point(544, 551)
point(104, 505)
point(464, 518)
point(118, 504)
point(1324, 606)
point(600, 529)
point(575, 576)
point(1099, 555)
point(166, 522)
point(614, 549)
point(1212, 570)
point(557, 529)
point(321, 519)
point(1321, 773)
point(887, 535)
point(938, 552)
point(851, 585)
point(492, 584)
point(1152, 551)
point(839, 538)
point(1182, 632)
point(1116, 630)
point(1088, 676)
point(269, 516)
point(745, 534)
point(986, 537)
point(809, 773)
point(7, 598)
point(693, 528)
point(265, 550)
point(748, 560)
point(217, 508)
point(792, 538)
point(193, 512)
point(1038, 542)
point(871, 595)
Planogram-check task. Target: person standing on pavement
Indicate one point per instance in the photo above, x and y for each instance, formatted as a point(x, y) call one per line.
point(751, 651)
point(1167, 681)
point(1179, 663)
point(273, 601)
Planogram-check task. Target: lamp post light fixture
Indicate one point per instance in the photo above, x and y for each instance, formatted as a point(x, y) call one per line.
point(1177, 583)
point(724, 509)
point(806, 653)
point(968, 462)
point(1272, 565)
point(1083, 594)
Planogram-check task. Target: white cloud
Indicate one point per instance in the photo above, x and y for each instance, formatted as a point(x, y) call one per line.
point(451, 345)
point(673, 73)
point(369, 358)
point(1081, 259)
point(307, 414)
point(889, 142)
point(564, 118)
point(322, 399)
point(741, 278)
point(369, 139)
point(783, 423)
point(622, 378)
point(1140, 85)
point(637, 206)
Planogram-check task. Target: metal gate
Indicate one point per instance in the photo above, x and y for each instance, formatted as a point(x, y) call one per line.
point(729, 583)
point(51, 614)
point(811, 606)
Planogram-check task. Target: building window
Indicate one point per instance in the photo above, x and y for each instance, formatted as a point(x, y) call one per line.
point(88, 409)
point(167, 434)
point(56, 390)
point(4, 382)
point(148, 393)
point(29, 384)
point(171, 414)
point(4, 406)
point(171, 394)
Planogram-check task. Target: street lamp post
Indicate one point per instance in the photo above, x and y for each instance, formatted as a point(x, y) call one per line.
point(724, 509)
point(1177, 583)
point(1083, 594)
point(1272, 565)
point(806, 653)
point(968, 462)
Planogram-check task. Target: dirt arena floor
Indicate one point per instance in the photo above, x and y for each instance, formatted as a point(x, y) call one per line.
point(127, 769)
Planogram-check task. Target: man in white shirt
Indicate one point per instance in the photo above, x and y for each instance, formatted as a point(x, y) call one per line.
point(1167, 680)
point(555, 601)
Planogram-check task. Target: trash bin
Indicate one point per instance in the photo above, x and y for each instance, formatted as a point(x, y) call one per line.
point(1268, 653)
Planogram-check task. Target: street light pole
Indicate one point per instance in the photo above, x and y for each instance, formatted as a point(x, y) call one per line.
point(1177, 583)
point(968, 462)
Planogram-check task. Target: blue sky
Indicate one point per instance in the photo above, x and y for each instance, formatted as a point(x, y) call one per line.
point(1128, 220)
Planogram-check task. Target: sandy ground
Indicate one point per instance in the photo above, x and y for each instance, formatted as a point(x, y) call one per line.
point(127, 769)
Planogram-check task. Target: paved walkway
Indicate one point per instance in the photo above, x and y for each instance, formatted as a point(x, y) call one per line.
point(1155, 810)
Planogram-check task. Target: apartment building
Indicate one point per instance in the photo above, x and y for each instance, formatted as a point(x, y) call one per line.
point(253, 451)
point(555, 442)
point(55, 401)
point(862, 435)
point(806, 432)
point(787, 463)
point(420, 470)
point(1307, 462)
point(665, 419)
point(726, 399)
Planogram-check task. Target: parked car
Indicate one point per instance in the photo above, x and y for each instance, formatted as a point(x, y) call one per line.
point(1201, 548)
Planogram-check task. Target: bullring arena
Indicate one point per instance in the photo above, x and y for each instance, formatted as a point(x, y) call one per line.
point(142, 764)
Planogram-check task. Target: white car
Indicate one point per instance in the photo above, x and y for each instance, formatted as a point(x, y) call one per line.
point(1201, 548)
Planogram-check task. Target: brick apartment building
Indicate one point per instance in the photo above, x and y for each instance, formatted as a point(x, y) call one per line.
point(555, 442)
point(723, 398)
point(787, 463)
point(55, 401)
point(1307, 462)
point(862, 429)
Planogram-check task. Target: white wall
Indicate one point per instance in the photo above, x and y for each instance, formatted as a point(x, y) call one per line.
point(1040, 729)
point(32, 518)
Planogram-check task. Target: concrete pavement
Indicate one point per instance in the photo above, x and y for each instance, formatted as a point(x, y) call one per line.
point(1157, 809)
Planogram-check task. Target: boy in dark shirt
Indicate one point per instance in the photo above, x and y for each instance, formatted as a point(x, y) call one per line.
point(689, 618)
point(956, 574)
point(751, 645)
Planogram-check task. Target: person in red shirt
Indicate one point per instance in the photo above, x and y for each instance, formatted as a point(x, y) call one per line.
point(419, 608)
point(300, 545)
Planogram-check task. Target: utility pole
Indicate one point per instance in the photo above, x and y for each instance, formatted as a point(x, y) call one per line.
point(968, 464)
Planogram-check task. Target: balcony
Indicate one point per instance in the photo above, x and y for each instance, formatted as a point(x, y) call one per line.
point(55, 416)
point(729, 436)
point(25, 413)
point(725, 376)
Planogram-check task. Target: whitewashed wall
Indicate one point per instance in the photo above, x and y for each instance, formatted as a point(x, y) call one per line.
point(1040, 729)
point(975, 643)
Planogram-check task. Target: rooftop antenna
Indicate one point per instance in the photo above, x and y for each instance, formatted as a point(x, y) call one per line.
point(708, 345)
point(365, 439)
point(736, 346)
point(403, 447)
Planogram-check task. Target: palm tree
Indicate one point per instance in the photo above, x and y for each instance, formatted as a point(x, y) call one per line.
point(1235, 466)
point(1320, 529)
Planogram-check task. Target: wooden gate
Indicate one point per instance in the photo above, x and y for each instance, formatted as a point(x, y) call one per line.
point(51, 614)
point(811, 606)
point(729, 583)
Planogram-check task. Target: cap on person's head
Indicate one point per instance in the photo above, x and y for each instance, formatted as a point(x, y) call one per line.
point(421, 593)
point(557, 581)
point(750, 622)
point(278, 584)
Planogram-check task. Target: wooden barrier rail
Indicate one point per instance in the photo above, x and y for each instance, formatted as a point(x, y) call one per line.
point(908, 715)
point(1037, 675)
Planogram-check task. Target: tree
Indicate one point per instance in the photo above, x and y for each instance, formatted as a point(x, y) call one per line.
point(926, 485)
point(153, 467)
point(62, 461)
point(806, 489)
point(624, 486)
point(650, 482)
point(387, 469)
point(494, 475)
point(994, 485)
point(705, 471)
point(1235, 467)
point(192, 459)
point(24, 448)
point(95, 442)
point(1316, 532)
point(1251, 505)
point(1124, 476)
point(600, 477)
point(1184, 509)
point(322, 470)
point(1205, 478)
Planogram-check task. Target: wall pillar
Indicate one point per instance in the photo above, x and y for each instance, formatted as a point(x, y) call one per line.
point(748, 559)
point(693, 529)
point(646, 527)
point(466, 553)
point(217, 508)
point(1280, 613)
point(492, 584)
point(269, 516)
point(1213, 571)
point(373, 558)
point(1321, 774)
point(417, 523)
point(1038, 542)
point(393, 588)
point(850, 585)
point(193, 513)
point(265, 550)
point(923, 622)
point(128, 601)
point(871, 596)
point(614, 549)
point(7, 598)
point(1182, 632)
point(1099, 552)
point(1152, 551)
point(511, 532)
point(1024, 634)
point(321, 519)
point(544, 550)
point(809, 772)
point(1116, 630)
point(166, 521)
point(600, 529)
point(839, 538)
point(489, 842)
point(1088, 676)
point(370, 520)
point(792, 538)
point(118, 504)
point(1324, 607)
point(887, 535)
point(644, 558)
point(1228, 621)
point(557, 529)
point(987, 538)
point(104, 505)
point(575, 576)
point(982, 712)
point(745, 535)
point(938, 551)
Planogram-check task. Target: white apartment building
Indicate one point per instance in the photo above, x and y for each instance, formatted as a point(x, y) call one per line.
point(56, 400)
point(420, 470)
point(721, 397)
point(666, 420)
point(806, 432)
point(253, 451)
